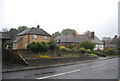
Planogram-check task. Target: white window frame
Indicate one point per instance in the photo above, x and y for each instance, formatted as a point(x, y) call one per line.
point(25, 44)
point(45, 37)
point(14, 45)
point(34, 36)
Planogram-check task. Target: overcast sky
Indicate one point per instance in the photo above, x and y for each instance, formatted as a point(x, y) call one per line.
point(100, 16)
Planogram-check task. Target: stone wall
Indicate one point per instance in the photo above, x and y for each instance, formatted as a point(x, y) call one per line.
point(58, 60)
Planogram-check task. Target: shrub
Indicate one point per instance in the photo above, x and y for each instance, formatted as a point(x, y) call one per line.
point(82, 50)
point(33, 47)
point(39, 46)
point(42, 56)
point(62, 48)
point(89, 51)
point(87, 45)
point(68, 50)
point(52, 45)
point(45, 47)
point(110, 51)
point(70, 46)
point(92, 54)
point(99, 54)
point(70, 55)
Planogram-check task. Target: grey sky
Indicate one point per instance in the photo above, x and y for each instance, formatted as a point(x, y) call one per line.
point(100, 16)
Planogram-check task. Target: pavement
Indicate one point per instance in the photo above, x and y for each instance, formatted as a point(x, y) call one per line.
point(9, 67)
point(102, 68)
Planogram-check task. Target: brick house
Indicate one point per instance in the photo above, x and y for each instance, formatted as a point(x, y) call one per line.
point(30, 35)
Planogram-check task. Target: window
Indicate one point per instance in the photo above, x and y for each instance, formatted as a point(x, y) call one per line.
point(45, 38)
point(34, 36)
point(14, 45)
point(25, 45)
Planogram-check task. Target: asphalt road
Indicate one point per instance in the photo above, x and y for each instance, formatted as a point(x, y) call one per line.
point(97, 69)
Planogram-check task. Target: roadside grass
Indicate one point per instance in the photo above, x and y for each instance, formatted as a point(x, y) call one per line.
point(92, 54)
point(70, 55)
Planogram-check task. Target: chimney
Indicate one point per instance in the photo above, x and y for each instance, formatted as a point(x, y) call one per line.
point(74, 34)
point(38, 26)
point(115, 36)
point(92, 35)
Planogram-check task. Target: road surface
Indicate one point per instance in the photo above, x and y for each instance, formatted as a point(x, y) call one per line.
point(97, 69)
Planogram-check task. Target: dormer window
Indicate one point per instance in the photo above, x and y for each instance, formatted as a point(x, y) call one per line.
point(34, 36)
point(45, 37)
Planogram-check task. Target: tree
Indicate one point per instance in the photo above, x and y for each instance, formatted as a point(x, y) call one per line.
point(52, 45)
point(22, 28)
point(56, 34)
point(13, 33)
point(4, 30)
point(67, 31)
point(87, 32)
point(87, 45)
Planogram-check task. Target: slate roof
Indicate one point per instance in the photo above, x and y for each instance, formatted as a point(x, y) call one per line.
point(35, 31)
point(71, 38)
point(96, 40)
point(17, 39)
point(77, 39)
point(4, 35)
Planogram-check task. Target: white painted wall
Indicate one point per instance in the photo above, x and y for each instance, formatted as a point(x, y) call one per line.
point(99, 46)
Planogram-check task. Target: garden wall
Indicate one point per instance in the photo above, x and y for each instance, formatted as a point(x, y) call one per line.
point(57, 60)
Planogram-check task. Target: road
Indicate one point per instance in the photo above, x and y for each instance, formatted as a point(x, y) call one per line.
point(97, 69)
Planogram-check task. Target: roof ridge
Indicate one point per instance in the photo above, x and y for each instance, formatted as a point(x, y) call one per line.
point(30, 30)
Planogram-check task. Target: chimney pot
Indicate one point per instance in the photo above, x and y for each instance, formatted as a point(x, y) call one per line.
point(38, 26)
point(92, 35)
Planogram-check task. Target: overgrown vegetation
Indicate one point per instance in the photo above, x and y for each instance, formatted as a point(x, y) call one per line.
point(92, 54)
point(84, 48)
point(42, 56)
point(87, 45)
point(42, 46)
point(70, 55)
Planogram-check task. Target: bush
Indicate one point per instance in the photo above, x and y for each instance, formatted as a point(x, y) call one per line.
point(87, 45)
point(62, 48)
point(70, 55)
point(68, 50)
point(100, 54)
point(92, 54)
point(82, 50)
point(42, 56)
point(33, 47)
point(44, 47)
point(89, 51)
point(52, 45)
point(71, 46)
point(39, 46)
point(110, 51)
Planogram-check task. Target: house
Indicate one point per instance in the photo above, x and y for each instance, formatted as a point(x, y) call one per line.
point(4, 36)
point(112, 43)
point(30, 35)
point(78, 38)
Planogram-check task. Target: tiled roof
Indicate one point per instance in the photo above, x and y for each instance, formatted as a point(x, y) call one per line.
point(71, 38)
point(17, 39)
point(4, 35)
point(96, 40)
point(35, 31)
point(78, 39)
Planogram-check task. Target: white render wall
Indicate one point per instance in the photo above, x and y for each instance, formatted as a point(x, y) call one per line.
point(99, 47)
